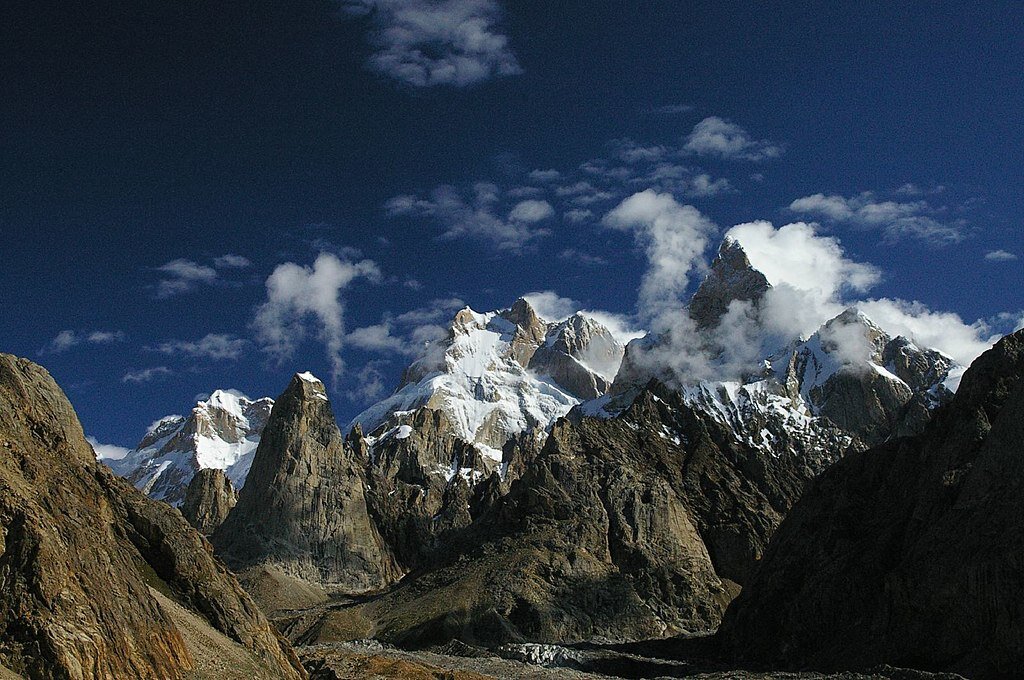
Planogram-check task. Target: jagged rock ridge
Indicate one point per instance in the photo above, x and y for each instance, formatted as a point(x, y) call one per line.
point(908, 553)
point(98, 580)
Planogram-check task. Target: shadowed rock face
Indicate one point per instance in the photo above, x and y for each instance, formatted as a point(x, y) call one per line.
point(303, 509)
point(909, 553)
point(208, 500)
point(628, 528)
point(81, 552)
point(731, 278)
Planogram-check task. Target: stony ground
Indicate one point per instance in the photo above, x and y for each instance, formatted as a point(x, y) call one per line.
point(370, 659)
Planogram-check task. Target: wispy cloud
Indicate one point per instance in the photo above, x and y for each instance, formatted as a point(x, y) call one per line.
point(667, 110)
point(716, 136)
point(107, 451)
point(1000, 256)
point(896, 219)
point(67, 339)
point(303, 299)
point(216, 346)
point(145, 375)
point(486, 215)
point(425, 43)
point(183, 275)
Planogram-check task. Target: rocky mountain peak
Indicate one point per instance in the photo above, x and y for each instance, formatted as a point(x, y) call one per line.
point(220, 432)
point(302, 513)
point(731, 278)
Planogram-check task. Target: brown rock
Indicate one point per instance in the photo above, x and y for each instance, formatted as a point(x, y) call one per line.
point(81, 550)
point(208, 500)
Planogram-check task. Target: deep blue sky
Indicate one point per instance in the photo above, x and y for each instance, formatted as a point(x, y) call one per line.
point(136, 134)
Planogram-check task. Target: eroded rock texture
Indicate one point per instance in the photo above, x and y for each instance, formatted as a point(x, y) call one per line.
point(82, 553)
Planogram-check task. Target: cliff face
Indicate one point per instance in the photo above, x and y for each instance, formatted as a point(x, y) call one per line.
point(208, 500)
point(303, 509)
point(94, 577)
point(909, 553)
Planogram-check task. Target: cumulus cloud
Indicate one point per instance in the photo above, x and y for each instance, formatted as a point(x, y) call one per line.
point(377, 338)
point(107, 451)
point(67, 339)
point(673, 236)
point(915, 219)
point(145, 375)
point(551, 306)
point(795, 255)
point(531, 211)
point(426, 43)
point(1000, 256)
point(302, 299)
point(944, 331)
point(217, 346)
point(715, 136)
point(478, 216)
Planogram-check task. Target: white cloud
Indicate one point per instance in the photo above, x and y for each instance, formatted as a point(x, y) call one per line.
point(715, 136)
point(370, 384)
point(426, 43)
point(377, 338)
point(1000, 256)
point(579, 257)
point(551, 306)
point(182, 276)
point(944, 331)
point(230, 261)
point(531, 211)
point(896, 219)
point(107, 451)
point(795, 255)
point(217, 346)
point(545, 175)
point(577, 215)
point(300, 299)
point(477, 217)
point(67, 339)
point(622, 327)
point(674, 238)
point(145, 374)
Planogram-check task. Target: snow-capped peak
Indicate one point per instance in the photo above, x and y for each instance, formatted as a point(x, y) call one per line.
point(499, 373)
point(221, 432)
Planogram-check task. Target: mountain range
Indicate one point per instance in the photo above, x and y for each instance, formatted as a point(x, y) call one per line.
point(831, 504)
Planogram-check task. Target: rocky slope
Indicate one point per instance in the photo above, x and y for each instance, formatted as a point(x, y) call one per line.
point(303, 511)
point(96, 578)
point(221, 432)
point(208, 500)
point(908, 553)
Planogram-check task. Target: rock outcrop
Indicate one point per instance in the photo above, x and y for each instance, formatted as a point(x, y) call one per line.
point(909, 553)
point(208, 500)
point(303, 510)
point(95, 576)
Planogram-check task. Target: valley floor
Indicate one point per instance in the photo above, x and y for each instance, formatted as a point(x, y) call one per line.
point(456, 661)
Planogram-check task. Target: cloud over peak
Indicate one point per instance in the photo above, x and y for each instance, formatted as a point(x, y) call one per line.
point(426, 43)
point(303, 299)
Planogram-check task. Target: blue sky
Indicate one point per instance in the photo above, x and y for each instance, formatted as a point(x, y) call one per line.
point(197, 195)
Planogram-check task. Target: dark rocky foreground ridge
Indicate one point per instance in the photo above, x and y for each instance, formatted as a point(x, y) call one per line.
point(98, 581)
point(911, 553)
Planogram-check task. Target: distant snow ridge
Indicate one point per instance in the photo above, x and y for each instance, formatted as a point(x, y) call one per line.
point(501, 373)
point(221, 432)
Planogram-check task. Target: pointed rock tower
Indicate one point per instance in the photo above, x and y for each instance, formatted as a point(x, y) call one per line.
point(302, 514)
